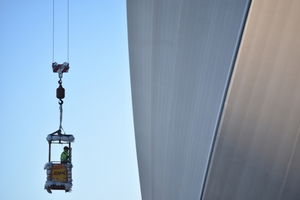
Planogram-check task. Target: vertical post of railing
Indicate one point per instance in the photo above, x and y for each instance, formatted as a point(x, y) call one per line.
point(49, 154)
point(70, 152)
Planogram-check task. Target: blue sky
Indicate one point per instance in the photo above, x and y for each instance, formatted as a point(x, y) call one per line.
point(97, 108)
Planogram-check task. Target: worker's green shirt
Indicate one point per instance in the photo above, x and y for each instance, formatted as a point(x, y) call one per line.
point(64, 157)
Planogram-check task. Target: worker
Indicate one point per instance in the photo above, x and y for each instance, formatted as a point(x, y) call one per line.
point(64, 157)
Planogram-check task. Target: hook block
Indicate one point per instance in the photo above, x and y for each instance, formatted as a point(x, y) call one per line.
point(60, 92)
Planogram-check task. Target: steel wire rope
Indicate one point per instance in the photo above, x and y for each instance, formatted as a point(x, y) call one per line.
point(53, 29)
point(68, 29)
point(53, 12)
point(61, 116)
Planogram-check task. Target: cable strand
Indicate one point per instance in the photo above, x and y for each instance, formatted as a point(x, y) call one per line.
point(53, 32)
point(68, 29)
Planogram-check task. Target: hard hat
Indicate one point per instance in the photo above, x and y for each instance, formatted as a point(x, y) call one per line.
point(66, 147)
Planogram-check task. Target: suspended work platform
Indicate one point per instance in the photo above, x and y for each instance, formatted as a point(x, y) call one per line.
point(59, 175)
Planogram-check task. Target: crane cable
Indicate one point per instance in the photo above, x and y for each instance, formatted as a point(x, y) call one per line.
point(60, 92)
point(68, 29)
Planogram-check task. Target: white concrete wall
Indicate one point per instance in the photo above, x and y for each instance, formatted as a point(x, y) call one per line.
point(181, 54)
point(257, 155)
